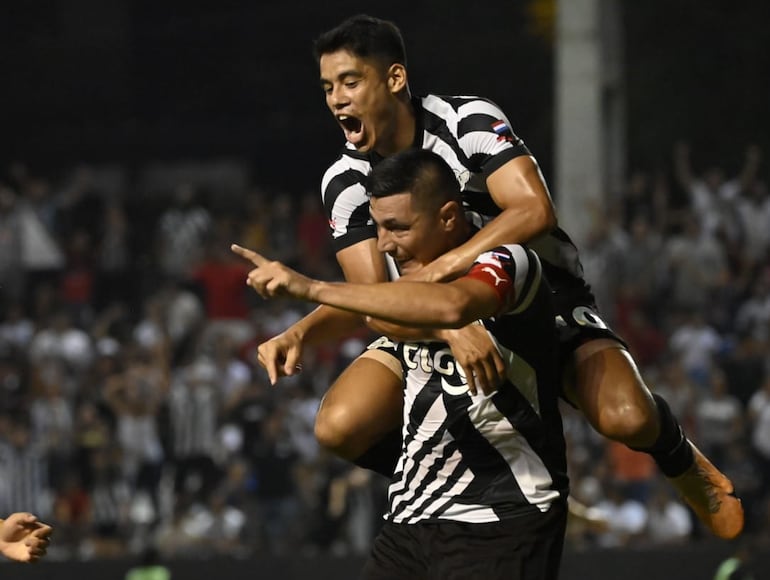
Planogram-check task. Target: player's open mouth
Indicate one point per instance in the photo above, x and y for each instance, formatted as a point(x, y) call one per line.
point(352, 127)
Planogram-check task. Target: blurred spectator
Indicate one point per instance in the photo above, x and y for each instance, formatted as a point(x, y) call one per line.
point(627, 518)
point(70, 513)
point(631, 472)
point(135, 397)
point(181, 234)
point(62, 340)
point(696, 344)
point(109, 507)
point(668, 521)
point(16, 330)
point(52, 424)
point(233, 375)
point(92, 437)
point(247, 410)
point(78, 279)
point(719, 418)
point(709, 193)
point(194, 403)
point(23, 473)
point(744, 366)
point(115, 280)
point(221, 276)
point(640, 267)
point(695, 265)
point(356, 503)
point(753, 316)
point(279, 503)
point(13, 398)
point(223, 525)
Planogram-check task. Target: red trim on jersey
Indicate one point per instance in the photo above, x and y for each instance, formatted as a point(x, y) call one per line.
point(496, 278)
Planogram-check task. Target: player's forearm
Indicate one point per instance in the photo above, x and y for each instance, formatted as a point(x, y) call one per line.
point(409, 303)
point(326, 323)
point(510, 227)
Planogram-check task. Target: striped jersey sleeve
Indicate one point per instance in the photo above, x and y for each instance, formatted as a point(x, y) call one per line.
point(475, 129)
point(345, 200)
point(513, 272)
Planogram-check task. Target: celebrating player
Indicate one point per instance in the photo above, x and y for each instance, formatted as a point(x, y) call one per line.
point(364, 77)
point(480, 487)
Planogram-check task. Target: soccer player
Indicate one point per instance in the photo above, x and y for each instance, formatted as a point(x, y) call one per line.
point(480, 487)
point(364, 77)
point(23, 537)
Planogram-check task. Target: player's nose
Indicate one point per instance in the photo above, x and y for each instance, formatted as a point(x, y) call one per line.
point(385, 243)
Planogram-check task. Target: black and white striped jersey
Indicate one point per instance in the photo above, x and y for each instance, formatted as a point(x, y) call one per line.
point(484, 458)
point(475, 138)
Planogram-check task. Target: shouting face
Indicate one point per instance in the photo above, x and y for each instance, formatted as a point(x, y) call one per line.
point(361, 93)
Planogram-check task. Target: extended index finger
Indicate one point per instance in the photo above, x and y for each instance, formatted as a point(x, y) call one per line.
point(251, 255)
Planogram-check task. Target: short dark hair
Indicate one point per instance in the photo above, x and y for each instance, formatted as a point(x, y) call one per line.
point(366, 37)
point(420, 172)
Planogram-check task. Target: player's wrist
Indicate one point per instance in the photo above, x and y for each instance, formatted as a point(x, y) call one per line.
point(314, 290)
point(297, 331)
point(455, 263)
point(445, 334)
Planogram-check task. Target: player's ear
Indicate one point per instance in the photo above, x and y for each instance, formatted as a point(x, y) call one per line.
point(397, 79)
point(450, 214)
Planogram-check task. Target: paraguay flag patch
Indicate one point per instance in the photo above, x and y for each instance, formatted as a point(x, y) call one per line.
point(503, 131)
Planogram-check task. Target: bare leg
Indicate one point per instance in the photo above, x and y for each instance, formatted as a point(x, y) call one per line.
point(606, 385)
point(362, 406)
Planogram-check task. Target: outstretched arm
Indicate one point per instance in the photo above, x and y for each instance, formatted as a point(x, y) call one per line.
point(423, 304)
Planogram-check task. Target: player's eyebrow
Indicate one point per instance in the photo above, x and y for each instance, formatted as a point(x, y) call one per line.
point(388, 223)
point(343, 75)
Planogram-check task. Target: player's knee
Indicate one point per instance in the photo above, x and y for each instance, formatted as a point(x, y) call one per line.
point(334, 431)
point(630, 423)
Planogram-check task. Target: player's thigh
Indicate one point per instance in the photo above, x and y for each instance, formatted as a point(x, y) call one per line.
point(608, 389)
point(367, 398)
point(596, 366)
point(604, 371)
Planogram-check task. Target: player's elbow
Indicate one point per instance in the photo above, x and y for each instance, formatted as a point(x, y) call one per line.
point(545, 216)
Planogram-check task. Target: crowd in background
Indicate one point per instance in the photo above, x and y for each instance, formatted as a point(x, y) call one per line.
point(133, 413)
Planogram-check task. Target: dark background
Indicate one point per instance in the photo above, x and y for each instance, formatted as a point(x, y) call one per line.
point(136, 80)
